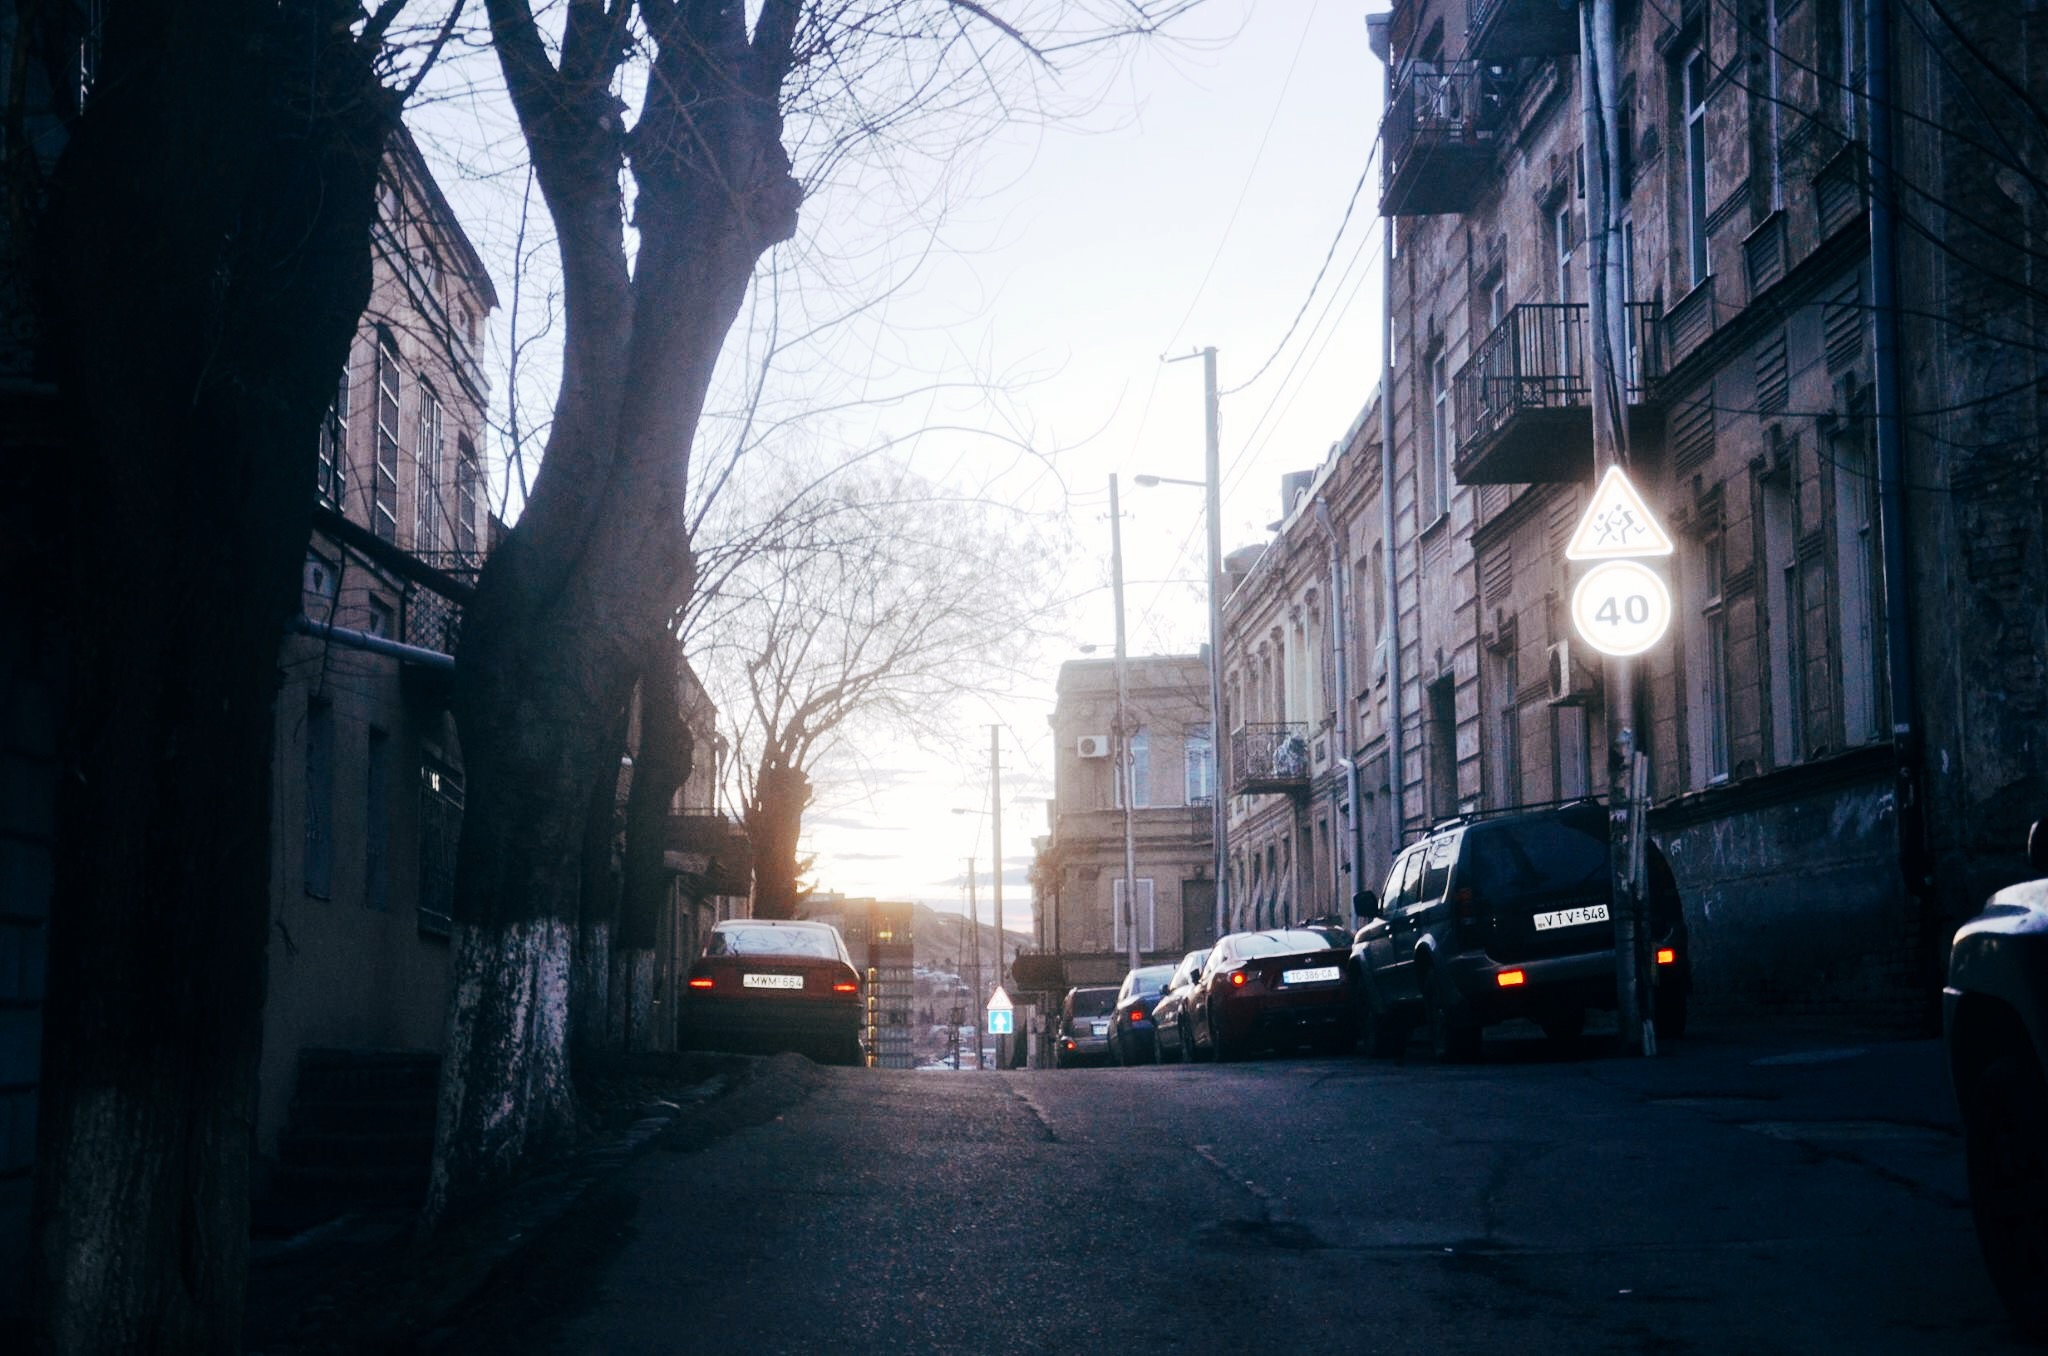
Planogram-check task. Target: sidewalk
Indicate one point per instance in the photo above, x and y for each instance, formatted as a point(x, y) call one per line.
point(364, 1282)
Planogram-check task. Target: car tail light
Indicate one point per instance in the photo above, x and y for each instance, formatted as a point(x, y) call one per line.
point(1069, 1044)
point(1237, 979)
point(1465, 905)
point(701, 982)
point(1667, 955)
point(1137, 1014)
point(1511, 979)
point(845, 986)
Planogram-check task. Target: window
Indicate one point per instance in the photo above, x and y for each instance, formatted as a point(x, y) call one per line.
point(468, 476)
point(319, 864)
point(383, 620)
point(1574, 757)
point(1437, 492)
point(1707, 666)
point(1137, 772)
point(1507, 726)
point(377, 821)
point(1774, 94)
point(1436, 860)
point(1148, 939)
point(440, 831)
point(1440, 738)
point(333, 474)
point(1561, 288)
point(1198, 756)
point(1784, 605)
point(384, 494)
point(426, 533)
point(1695, 110)
point(1860, 605)
point(1496, 304)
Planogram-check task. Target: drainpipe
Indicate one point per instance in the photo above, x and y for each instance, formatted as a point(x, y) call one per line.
point(1347, 744)
point(363, 640)
point(1910, 773)
point(1376, 29)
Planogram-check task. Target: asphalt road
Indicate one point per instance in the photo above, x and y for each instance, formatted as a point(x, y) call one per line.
point(1740, 1194)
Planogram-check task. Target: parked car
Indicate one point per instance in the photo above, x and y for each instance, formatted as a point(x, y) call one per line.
point(1131, 1039)
point(1169, 1014)
point(1280, 987)
point(1491, 919)
point(1084, 1027)
point(766, 984)
point(1995, 1011)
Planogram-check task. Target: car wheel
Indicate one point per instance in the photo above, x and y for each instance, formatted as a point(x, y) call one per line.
point(2005, 1127)
point(1670, 1012)
point(1337, 1042)
point(1449, 1044)
point(1158, 1055)
point(1116, 1050)
point(1187, 1039)
point(1564, 1027)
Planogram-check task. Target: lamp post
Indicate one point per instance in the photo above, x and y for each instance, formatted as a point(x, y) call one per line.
point(980, 998)
point(1219, 820)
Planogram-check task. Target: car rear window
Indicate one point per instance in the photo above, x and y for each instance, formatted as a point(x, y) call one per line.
point(1094, 1002)
point(1283, 942)
point(759, 941)
point(1147, 978)
point(1536, 856)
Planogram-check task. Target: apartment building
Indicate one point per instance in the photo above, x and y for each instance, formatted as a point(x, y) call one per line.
point(1836, 740)
point(368, 771)
point(1166, 753)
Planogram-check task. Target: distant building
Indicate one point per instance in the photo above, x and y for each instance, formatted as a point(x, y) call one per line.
point(879, 934)
point(1168, 756)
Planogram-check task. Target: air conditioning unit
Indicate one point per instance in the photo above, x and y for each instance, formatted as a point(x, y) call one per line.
point(1092, 746)
point(1572, 683)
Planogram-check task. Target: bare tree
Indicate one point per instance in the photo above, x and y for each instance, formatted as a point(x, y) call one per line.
point(886, 601)
point(602, 553)
point(203, 253)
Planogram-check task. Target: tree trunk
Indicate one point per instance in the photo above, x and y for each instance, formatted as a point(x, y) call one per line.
point(600, 557)
point(660, 765)
point(774, 821)
point(206, 260)
point(597, 904)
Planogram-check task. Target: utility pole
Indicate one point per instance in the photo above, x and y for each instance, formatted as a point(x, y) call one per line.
point(1219, 815)
point(1123, 733)
point(995, 772)
point(1607, 316)
point(974, 923)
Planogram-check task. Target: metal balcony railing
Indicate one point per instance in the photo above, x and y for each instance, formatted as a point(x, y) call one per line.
point(1503, 30)
point(1438, 134)
point(1269, 757)
point(1540, 358)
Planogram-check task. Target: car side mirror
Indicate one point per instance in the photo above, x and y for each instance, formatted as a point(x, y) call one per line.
point(1365, 904)
point(2037, 847)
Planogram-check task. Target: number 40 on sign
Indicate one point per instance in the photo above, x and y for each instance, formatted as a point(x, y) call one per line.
point(1621, 607)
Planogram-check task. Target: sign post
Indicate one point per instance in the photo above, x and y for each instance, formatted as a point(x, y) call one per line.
point(1621, 607)
point(1002, 1014)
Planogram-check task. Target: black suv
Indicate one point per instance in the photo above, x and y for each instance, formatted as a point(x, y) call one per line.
point(1996, 1010)
point(1504, 917)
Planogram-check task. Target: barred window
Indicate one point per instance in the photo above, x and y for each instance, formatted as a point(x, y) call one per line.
point(384, 494)
point(333, 473)
point(426, 531)
point(468, 476)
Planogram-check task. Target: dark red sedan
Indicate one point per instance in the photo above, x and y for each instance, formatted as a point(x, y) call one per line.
point(764, 985)
point(1278, 988)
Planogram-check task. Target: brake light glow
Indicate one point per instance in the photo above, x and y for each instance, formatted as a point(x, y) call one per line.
point(1137, 1014)
point(1237, 979)
point(701, 982)
point(1070, 1045)
point(1667, 956)
point(1511, 979)
point(843, 986)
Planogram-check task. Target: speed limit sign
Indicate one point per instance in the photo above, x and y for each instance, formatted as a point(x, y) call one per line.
point(1621, 607)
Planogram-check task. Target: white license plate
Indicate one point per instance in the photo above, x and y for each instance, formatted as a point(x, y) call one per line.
point(772, 981)
point(1102, 1028)
point(1571, 918)
point(1316, 975)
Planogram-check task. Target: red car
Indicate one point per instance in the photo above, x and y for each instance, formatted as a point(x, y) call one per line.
point(1281, 987)
point(765, 984)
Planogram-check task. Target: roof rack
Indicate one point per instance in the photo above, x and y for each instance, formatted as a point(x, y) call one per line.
point(1494, 812)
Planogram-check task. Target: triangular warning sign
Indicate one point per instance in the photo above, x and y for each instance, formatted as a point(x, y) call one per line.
point(1617, 525)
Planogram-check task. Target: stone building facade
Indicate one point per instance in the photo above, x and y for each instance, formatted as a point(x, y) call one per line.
point(1171, 777)
point(1845, 750)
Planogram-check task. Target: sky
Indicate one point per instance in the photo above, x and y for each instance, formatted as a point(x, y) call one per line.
point(1193, 202)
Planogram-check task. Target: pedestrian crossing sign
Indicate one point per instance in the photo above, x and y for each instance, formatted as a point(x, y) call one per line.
point(1617, 525)
point(1001, 1014)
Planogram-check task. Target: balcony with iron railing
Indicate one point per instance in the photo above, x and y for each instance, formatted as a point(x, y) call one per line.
point(1269, 758)
point(1439, 136)
point(1523, 400)
point(1504, 30)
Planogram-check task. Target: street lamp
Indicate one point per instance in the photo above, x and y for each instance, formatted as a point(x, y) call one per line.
point(1219, 821)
